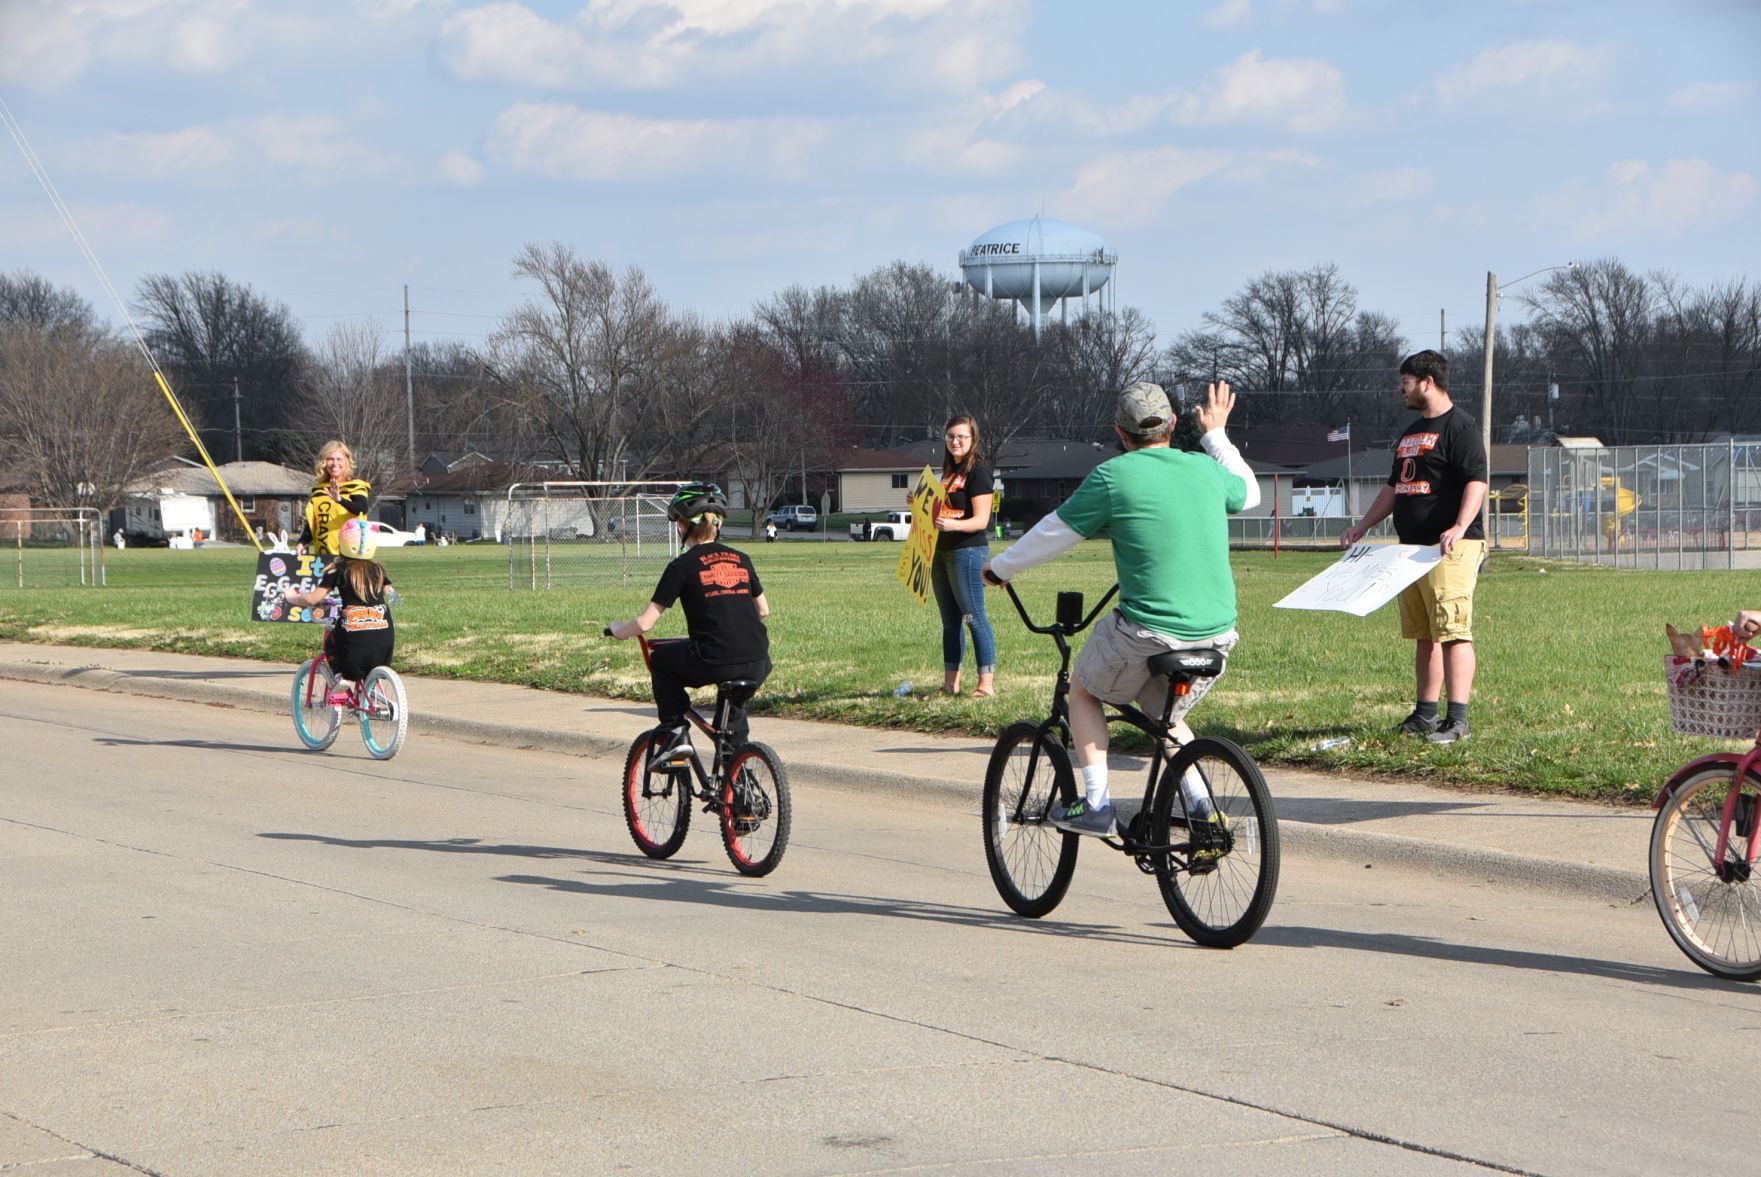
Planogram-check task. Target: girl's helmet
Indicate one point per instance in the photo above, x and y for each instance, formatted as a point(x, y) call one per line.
point(694, 500)
point(356, 540)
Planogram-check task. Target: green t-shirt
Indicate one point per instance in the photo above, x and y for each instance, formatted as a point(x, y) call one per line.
point(1167, 512)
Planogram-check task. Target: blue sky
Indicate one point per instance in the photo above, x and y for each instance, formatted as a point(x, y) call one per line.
point(328, 152)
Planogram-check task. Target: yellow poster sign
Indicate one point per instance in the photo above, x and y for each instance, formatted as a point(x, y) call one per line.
point(927, 498)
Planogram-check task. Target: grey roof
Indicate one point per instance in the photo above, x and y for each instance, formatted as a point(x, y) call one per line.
point(242, 478)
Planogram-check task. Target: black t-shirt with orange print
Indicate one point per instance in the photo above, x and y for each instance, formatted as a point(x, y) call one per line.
point(719, 589)
point(1434, 460)
point(962, 489)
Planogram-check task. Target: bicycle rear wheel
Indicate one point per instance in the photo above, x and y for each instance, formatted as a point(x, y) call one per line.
point(1712, 907)
point(657, 805)
point(756, 815)
point(1031, 860)
point(1220, 887)
point(315, 721)
point(385, 712)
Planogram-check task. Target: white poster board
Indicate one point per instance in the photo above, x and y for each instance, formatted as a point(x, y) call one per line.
point(185, 513)
point(1364, 579)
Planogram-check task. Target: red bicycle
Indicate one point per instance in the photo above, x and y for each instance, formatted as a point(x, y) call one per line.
point(1703, 842)
point(745, 785)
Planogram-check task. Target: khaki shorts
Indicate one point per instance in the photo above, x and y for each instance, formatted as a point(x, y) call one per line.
point(1114, 665)
point(1439, 606)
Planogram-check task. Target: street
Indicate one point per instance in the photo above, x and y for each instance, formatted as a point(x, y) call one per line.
point(227, 955)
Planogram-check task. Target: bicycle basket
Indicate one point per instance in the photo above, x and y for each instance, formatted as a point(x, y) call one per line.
point(1707, 700)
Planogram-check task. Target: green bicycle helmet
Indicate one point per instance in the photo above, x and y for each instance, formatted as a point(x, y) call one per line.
point(696, 499)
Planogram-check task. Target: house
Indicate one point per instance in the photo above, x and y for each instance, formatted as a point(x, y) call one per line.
point(871, 480)
point(180, 499)
point(469, 501)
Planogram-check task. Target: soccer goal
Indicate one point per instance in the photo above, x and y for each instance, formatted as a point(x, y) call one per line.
point(568, 534)
point(53, 547)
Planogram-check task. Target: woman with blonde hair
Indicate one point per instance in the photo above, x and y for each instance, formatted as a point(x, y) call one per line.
point(337, 496)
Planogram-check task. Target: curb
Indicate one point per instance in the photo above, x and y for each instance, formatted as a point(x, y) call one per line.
point(1492, 867)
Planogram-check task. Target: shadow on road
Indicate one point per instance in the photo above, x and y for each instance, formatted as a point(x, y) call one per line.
point(1401, 944)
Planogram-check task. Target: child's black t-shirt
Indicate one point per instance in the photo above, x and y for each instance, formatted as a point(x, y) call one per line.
point(1434, 461)
point(363, 636)
point(719, 589)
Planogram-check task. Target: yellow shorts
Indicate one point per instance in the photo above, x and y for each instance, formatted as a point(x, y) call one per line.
point(1439, 606)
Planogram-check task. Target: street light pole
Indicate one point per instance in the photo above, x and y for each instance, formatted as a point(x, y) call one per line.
point(1492, 289)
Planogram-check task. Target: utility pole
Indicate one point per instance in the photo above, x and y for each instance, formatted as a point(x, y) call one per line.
point(1486, 377)
point(1442, 330)
point(238, 433)
point(409, 387)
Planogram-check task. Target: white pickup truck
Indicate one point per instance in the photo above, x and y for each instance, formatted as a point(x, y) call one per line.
point(895, 525)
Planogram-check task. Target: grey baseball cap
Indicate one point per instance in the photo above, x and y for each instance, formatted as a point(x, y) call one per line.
point(1144, 408)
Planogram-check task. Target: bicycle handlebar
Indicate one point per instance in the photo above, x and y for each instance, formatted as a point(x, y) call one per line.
point(1065, 628)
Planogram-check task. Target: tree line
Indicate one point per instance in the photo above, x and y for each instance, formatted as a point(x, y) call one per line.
point(598, 377)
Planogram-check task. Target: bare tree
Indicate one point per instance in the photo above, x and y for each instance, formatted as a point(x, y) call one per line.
point(603, 370)
point(348, 391)
point(233, 358)
point(32, 299)
point(80, 415)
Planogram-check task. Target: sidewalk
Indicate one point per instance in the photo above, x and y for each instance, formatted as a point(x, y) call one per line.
point(1587, 849)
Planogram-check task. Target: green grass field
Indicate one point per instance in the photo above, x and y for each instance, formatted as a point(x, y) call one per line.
point(1569, 697)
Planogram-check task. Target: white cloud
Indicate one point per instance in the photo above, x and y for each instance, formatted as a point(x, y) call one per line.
point(1710, 96)
point(1228, 17)
point(45, 44)
point(1128, 189)
point(460, 169)
point(1546, 72)
point(564, 142)
point(1302, 94)
point(952, 45)
point(310, 148)
point(1681, 196)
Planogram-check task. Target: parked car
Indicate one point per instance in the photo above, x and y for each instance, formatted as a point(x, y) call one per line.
point(389, 536)
point(794, 518)
point(894, 525)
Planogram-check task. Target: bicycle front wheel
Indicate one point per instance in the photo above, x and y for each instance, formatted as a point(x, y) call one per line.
point(657, 805)
point(1031, 860)
point(755, 810)
point(385, 712)
point(1711, 905)
point(315, 721)
point(1213, 806)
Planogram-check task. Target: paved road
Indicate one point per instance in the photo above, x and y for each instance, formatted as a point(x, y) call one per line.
point(226, 956)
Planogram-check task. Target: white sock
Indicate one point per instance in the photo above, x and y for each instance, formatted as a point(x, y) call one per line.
point(1194, 793)
point(1094, 785)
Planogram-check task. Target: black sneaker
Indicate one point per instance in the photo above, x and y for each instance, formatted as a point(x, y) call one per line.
point(1451, 731)
point(1416, 725)
point(671, 748)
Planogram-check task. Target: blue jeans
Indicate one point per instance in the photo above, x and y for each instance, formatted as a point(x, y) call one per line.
point(959, 593)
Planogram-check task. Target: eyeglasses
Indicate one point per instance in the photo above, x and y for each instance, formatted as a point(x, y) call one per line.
point(957, 437)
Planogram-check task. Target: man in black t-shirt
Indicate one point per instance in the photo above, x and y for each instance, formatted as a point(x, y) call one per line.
point(724, 607)
point(1435, 493)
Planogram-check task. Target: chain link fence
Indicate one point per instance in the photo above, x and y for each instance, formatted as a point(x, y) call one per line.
point(570, 534)
point(52, 547)
point(1666, 506)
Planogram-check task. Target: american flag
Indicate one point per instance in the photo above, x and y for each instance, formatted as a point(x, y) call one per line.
point(1343, 433)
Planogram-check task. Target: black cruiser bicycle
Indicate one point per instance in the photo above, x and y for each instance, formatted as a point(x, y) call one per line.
point(1204, 826)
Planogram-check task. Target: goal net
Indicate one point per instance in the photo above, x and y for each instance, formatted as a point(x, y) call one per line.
point(569, 534)
point(51, 547)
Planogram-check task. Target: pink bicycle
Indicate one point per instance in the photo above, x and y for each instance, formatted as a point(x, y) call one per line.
point(1703, 842)
point(321, 698)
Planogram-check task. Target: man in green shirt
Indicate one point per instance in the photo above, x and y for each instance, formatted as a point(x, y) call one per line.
point(1166, 511)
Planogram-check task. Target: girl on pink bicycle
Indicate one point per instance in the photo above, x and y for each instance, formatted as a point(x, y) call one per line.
point(363, 637)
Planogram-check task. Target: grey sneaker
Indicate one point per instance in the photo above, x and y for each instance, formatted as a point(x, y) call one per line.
point(1451, 731)
point(1080, 819)
point(1413, 725)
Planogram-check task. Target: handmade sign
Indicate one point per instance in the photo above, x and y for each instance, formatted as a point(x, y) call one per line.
point(927, 498)
point(279, 573)
point(1364, 579)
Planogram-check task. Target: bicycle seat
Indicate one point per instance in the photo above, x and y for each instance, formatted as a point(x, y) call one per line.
point(736, 690)
point(1188, 664)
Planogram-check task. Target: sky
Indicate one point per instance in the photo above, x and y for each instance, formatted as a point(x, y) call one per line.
point(329, 153)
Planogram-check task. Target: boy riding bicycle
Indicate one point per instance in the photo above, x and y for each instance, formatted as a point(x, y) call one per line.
point(724, 607)
point(1166, 512)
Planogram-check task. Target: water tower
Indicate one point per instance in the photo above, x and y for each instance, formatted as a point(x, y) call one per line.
point(1038, 263)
